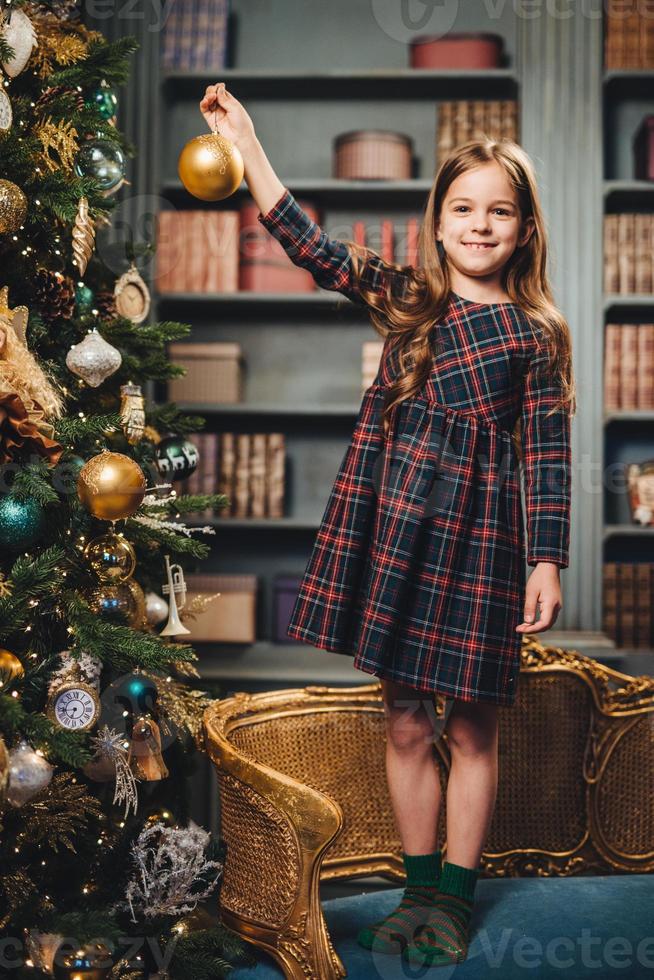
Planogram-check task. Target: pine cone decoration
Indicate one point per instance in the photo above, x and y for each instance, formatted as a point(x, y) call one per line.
point(55, 92)
point(55, 295)
point(105, 304)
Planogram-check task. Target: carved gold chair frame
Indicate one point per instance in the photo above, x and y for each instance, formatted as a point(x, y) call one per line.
point(304, 798)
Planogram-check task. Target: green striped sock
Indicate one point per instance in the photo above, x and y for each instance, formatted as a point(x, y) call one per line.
point(444, 937)
point(392, 934)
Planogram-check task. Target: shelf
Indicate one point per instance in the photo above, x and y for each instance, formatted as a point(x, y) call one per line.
point(362, 192)
point(270, 408)
point(622, 194)
point(382, 83)
point(270, 663)
point(255, 523)
point(629, 81)
point(611, 530)
point(629, 415)
point(320, 300)
point(629, 301)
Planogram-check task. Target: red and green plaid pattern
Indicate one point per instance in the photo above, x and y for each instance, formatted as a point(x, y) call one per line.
point(417, 568)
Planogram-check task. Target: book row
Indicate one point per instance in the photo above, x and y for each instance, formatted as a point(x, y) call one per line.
point(249, 468)
point(628, 252)
point(628, 366)
point(628, 601)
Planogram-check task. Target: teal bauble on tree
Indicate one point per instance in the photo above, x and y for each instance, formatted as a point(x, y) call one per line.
point(22, 522)
point(102, 160)
point(105, 101)
point(84, 298)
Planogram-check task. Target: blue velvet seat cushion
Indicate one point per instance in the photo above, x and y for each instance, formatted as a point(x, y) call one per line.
point(571, 927)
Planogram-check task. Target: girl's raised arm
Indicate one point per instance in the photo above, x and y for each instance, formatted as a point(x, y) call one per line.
point(328, 259)
point(305, 243)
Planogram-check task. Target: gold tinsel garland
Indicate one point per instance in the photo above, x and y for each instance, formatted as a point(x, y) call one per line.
point(182, 705)
point(61, 43)
point(18, 887)
point(59, 139)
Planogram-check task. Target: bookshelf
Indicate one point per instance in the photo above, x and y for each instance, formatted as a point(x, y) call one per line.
point(316, 412)
point(628, 435)
point(569, 105)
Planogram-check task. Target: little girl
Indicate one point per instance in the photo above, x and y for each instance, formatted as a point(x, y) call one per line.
point(417, 570)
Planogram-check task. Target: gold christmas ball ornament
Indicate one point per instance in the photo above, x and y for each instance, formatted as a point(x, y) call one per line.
point(210, 167)
point(10, 666)
point(114, 603)
point(91, 961)
point(111, 556)
point(111, 486)
point(4, 771)
point(13, 207)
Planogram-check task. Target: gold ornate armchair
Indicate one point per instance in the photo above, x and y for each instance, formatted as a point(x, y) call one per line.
point(303, 793)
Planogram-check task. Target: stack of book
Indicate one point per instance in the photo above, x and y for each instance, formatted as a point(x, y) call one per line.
point(628, 366)
point(628, 252)
point(197, 252)
point(629, 36)
point(461, 120)
point(628, 601)
point(248, 467)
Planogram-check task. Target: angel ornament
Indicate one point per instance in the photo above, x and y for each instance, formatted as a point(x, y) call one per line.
point(28, 399)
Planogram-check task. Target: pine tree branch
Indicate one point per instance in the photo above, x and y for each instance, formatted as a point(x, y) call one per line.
point(146, 535)
point(33, 480)
point(69, 747)
point(167, 417)
point(73, 431)
point(122, 647)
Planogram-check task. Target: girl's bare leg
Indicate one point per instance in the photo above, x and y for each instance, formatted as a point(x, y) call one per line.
point(472, 731)
point(412, 771)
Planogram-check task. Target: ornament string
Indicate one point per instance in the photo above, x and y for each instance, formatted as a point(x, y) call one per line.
point(215, 115)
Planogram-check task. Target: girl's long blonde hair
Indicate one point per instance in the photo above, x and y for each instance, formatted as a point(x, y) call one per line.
point(411, 315)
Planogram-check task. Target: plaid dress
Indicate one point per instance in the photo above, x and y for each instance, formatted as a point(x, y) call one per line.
point(418, 566)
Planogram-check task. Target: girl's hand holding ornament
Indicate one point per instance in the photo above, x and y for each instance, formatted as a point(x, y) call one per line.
point(211, 166)
point(224, 112)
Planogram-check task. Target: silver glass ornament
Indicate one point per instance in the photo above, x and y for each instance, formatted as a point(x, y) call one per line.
point(93, 359)
point(29, 773)
point(156, 608)
point(102, 160)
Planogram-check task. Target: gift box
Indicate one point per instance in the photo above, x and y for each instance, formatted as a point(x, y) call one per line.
point(373, 154)
point(214, 373)
point(231, 618)
point(285, 590)
point(459, 50)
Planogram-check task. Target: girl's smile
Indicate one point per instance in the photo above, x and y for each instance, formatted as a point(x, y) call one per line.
point(480, 228)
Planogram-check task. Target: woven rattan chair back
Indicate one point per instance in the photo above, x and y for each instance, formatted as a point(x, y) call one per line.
point(303, 793)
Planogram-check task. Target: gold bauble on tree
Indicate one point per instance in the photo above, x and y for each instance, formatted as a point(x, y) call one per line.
point(111, 556)
point(111, 486)
point(13, 207)
point(114, 602)
point(10, 666)
point(210, 167)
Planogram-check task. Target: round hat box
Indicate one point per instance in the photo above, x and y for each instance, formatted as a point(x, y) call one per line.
point(462, 50)
point(373, 154)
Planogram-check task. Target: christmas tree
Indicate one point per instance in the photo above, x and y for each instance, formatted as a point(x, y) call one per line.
point(100, 707)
